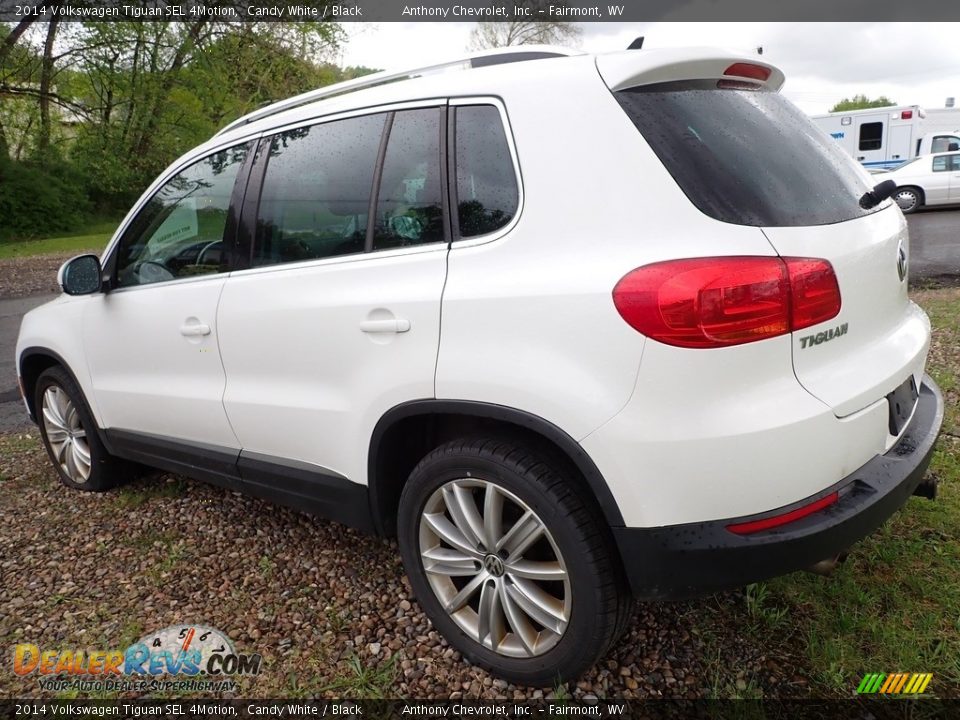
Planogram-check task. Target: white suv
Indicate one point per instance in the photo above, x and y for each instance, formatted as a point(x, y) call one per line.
point(574, 328)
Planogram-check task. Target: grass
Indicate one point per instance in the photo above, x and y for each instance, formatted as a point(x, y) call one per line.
point(894, 606)
point(369, 682)
point(93, 238)
point(130, 497)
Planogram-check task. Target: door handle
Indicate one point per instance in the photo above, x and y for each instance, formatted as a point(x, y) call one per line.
point(391, 325)
point(194, 329)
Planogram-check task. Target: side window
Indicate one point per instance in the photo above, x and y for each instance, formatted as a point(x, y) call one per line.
point(316, 191)
point(409, 205)
point(487, 194)
point(954, 163)
point(871, 136)
point(942, 143)
point(940, 163)
point(179, 232)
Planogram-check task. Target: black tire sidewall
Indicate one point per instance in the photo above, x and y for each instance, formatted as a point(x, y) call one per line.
point(572, 654)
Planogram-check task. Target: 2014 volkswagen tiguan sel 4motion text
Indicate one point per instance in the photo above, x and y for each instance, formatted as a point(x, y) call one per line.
point(573, 328)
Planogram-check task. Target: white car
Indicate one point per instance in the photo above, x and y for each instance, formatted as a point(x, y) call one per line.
point(926, 180)
point(574, 328)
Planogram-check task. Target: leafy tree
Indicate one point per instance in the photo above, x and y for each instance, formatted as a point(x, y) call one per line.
point(861, 102)
point(92, 111)
point(524, 30)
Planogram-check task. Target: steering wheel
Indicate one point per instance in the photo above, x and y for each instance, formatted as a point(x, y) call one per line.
point(206, 248)
point(150, 272)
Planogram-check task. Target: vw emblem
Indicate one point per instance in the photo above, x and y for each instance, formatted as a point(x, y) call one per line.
point(902, 262)
point(493, 565)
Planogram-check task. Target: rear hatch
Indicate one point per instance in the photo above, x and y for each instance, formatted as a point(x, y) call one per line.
point(743, 154)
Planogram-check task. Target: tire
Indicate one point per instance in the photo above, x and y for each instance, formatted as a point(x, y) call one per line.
point(572, 619)
point(70, 435)
point(909, 199)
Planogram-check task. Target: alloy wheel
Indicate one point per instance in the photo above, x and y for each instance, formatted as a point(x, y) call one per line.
point(495, 567)
point(65, 433)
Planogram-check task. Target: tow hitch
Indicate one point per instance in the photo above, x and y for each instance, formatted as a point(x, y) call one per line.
point(927, 488)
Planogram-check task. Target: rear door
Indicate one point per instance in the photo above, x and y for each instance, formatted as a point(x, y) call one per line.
point(937, 183)
point(955, 178)
point(870, 133)
point(338, 318)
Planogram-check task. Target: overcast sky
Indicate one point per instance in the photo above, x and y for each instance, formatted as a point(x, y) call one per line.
point(911, 63)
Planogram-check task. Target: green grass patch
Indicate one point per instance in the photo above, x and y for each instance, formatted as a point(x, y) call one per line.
point(133, 496)
point(894, 606)
point(372, 682)
point(93, 238)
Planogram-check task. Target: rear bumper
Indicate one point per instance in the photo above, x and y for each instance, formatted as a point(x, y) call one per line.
point(679, 561)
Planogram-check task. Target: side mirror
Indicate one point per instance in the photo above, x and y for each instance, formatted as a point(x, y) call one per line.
point(81, 275)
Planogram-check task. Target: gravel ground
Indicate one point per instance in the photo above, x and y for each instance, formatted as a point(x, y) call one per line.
point(329, 609)
point(24, 276)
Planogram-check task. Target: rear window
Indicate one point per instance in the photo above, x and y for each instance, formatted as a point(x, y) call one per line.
point(747, 157)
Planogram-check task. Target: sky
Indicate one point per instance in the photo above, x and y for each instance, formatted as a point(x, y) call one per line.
point(910, 63)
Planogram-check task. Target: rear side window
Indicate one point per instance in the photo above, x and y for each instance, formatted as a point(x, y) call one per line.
point(747, 157)
point(316, 191)
point(409, 202)
point(487, 195)
point(871, 136)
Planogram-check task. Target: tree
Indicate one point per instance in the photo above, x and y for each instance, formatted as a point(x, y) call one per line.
point(860, 102)
point(525, 31)
point(92, 111)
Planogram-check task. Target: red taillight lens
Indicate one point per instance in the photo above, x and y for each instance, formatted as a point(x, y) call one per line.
point(755, 526)
point(906, 114)
point(748, 70)
point(721, 301)
point(815, 293)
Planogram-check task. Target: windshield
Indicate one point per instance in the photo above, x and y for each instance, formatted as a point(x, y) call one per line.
point(747, 157)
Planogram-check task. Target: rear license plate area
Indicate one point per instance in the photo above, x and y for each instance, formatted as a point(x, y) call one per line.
point(902, 401)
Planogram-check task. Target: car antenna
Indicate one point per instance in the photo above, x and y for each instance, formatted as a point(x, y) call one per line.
point(636, 44)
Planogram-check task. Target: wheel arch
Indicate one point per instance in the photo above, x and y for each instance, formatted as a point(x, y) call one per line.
point(31, 363)
point(407, 432)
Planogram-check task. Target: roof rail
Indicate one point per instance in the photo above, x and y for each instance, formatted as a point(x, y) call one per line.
point(474, 60)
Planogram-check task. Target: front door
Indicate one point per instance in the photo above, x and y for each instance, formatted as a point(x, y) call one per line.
point(151, 340)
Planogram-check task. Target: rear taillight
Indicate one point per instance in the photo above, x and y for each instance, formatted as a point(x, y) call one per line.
point(720, 301)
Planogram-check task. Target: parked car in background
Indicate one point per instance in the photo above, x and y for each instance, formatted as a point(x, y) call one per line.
point(882, 138)
point(926, 180)
point(573, 328)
